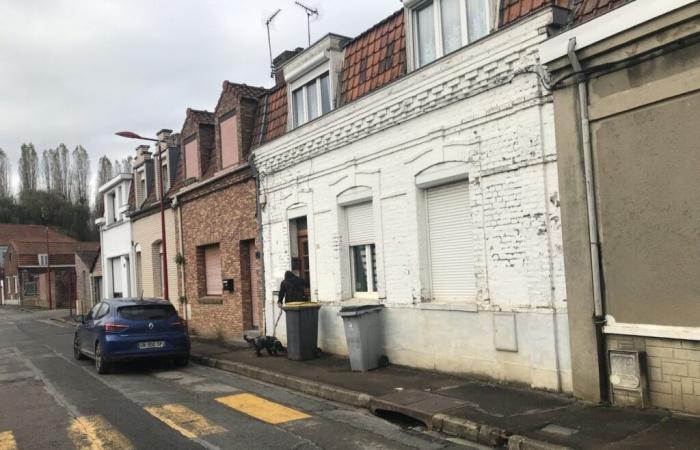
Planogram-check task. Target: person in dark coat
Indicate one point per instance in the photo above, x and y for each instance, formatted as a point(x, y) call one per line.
point(291, 289)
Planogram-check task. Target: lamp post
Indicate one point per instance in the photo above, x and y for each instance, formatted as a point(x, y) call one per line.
point(132, 135)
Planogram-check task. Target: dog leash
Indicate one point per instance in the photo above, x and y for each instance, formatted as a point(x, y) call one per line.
point(274, 330)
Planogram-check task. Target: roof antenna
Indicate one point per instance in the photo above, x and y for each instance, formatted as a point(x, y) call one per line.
point(309, 13)
point(268, 22)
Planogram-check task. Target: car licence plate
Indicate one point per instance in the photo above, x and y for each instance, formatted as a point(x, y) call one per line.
point(152, 344)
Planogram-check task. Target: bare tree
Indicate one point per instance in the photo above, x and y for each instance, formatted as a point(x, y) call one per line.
point(80, 175)
point(4, 174)
point(117, 167)
point(127, 164)
point(28, 162)
point(104, 174)
point(61, 171)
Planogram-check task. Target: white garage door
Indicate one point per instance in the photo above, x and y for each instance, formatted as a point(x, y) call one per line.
point(451, 243)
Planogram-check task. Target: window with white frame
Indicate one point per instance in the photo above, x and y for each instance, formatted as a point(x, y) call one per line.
point(166, 178)
point(443, 26)
point(311, 100)
point(363, 260)
point(43, 259)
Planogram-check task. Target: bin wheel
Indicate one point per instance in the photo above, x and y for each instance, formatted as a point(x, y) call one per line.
point(383, 361)
point(318, 352)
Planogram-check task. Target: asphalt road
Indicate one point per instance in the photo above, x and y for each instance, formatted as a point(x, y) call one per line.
point(48, 400)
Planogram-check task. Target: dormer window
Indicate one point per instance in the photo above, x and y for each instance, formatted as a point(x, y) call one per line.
point(166, 179)
point(440, 27)
point(311, 100)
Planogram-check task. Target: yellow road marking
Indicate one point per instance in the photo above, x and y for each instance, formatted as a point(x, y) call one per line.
point(182, 419)
point(262, 409)
point(95, 433)
point(7, 441)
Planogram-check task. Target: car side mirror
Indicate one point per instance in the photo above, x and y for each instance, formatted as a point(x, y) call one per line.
point(79, 318)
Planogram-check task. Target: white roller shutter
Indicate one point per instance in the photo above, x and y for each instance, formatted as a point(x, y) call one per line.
point(451, 243)
point(212, 269)
point(360, 224)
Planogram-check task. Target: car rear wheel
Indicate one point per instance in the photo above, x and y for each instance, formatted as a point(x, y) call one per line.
point(100, 364)
point(182, 361)
point(77, 354)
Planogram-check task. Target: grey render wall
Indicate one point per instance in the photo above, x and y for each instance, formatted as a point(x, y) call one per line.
point(645, 135)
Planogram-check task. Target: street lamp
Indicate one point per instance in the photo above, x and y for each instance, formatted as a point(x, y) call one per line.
point(132, 135)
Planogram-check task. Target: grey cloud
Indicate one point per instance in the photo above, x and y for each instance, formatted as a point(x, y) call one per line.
point(76, 71)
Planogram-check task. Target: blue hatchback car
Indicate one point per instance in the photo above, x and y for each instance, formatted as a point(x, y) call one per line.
point(128, 329)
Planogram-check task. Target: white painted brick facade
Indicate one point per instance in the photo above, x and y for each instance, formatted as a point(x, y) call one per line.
point(483, 106)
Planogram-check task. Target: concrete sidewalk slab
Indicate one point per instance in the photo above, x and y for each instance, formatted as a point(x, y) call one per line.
point(482, 412)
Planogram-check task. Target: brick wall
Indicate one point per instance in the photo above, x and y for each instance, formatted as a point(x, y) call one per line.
point(220, 212)
point(673, 370)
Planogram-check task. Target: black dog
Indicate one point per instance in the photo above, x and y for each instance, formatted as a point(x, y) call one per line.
point(271, 344)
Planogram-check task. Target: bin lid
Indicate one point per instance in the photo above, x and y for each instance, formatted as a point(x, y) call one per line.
point(300, 305)
point(358, 310)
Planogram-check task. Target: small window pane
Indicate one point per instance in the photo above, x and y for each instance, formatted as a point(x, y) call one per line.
point(426, 35)
point(325, 94)
point(451, 27)
point(477, 19)
point(312, 100)
point(359, 260)
point(298, 101)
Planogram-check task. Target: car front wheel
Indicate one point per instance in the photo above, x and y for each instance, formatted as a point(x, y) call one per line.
point(77, 354)
point(100, 364)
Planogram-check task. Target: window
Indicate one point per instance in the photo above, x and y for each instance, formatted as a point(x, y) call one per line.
point(43, 259)
point(229, 141)
point(112, 205)
point(363, 261)
point(311, 100)
point(443, 26)
point(144, 187)
point(450, 243)
point(30, 284)
point(149, 312)
point(166, 178)
point(116, 267)
point(212, 270)
point(191, 159)
point(157, 263)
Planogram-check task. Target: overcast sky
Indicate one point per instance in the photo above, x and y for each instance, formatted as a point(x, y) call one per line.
point(76, 71)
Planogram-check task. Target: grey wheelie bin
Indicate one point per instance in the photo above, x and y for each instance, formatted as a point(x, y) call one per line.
point(363, 335)
point(302, 330)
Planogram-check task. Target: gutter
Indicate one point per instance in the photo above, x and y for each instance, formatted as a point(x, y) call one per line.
point(593, 238)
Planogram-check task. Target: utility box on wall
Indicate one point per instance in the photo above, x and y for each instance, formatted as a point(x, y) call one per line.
point(628, 378)
point(228, 285)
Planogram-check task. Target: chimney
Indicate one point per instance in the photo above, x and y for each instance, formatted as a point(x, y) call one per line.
point(164, 136)
point(142, 154)
point(280, 60)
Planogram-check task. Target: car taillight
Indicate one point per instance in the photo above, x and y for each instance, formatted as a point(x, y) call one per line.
point(179, 323)
point(115, 327)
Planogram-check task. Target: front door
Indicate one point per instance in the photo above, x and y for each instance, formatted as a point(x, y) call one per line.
point(303, 242)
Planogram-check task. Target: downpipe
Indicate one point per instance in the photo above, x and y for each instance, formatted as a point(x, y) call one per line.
point(593, 238)
point(258, 210)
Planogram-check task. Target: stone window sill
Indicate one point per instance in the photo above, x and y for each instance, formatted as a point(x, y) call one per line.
point(211, 300)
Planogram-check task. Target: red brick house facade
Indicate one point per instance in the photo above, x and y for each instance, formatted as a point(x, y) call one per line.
point(217, 205)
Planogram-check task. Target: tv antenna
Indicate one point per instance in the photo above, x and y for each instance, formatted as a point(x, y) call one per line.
point(268, 22)
point(309, 13)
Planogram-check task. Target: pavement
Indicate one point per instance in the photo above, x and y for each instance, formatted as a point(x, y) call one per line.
point(486, 413)
point(51, 400)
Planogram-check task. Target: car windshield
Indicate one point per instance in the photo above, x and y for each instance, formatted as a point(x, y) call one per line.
point(147, 312)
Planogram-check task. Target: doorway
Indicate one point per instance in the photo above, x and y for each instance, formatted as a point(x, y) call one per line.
point(299, 246)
